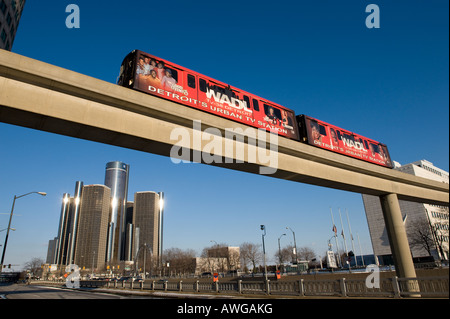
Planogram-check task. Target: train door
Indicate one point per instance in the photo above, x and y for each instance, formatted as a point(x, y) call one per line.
point(190, 88)
point(334, 139)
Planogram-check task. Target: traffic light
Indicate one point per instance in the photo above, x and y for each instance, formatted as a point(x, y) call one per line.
point(9, 266)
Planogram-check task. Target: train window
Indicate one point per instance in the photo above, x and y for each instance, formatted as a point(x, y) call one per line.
point(202, 85)
point(314, 125)
point(274, 113)
point(247, 100)
point(374, 148)
point(173, 72)
point(255, 105)
point(322, 130)
point(366, 145)
point(191, 81)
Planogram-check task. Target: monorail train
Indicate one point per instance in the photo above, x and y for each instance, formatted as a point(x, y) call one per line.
point(150, 74)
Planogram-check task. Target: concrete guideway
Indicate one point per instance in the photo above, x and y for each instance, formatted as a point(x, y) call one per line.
point(45, 97)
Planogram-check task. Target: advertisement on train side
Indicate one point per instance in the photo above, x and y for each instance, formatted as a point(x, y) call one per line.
point(172, 82)
point(333, 138)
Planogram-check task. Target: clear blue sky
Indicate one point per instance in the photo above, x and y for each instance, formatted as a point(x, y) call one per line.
point(315, 57)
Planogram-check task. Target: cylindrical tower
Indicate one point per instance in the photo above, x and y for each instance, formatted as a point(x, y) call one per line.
point(76, 213)
point(61, 229)
point(160, 226)
point(116, 178)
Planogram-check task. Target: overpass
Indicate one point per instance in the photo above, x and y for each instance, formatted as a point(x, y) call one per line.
point(41, 96)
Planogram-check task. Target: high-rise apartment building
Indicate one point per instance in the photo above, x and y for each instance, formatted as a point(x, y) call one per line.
point(146, 222)
point(10, 13)
point(116, 178)
point(432, 220)
point(92, 230)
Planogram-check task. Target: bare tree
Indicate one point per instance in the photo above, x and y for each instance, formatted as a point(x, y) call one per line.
point(428, 237)
point(285, 255)
point(180, 261)
point(34, 265)
point(306, 253)
point(420, 236)
point(250, 253)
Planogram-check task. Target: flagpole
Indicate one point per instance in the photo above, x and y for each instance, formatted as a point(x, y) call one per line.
point(335, 237)
point(360, 249)
point(343, 236)
point(351, 237)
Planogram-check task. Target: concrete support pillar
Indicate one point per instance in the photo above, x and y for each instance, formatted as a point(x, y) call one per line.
point(398, 240)
point(397, 236)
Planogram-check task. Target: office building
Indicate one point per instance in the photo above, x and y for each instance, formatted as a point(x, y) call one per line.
point(92, 230)
point(146, 224)
point(10, 13)
point(51, 252)
point(116, 178)
point(418, 218)
point(218, 259)
point(231, 255)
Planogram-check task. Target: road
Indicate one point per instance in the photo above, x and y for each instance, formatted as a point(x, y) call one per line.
point(22, 291)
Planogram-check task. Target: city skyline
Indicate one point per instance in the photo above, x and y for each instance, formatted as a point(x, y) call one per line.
point(99, 227)
point(386, 84)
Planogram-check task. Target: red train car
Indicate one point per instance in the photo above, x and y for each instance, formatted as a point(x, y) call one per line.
point(338, 140)
point(150, 74)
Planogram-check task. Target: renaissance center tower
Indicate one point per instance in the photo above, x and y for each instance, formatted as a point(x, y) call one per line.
point(116, 178)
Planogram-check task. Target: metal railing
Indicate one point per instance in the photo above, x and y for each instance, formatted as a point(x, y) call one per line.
point(432, 287)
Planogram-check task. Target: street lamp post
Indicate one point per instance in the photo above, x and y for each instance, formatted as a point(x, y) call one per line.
point(263, 228)
point(279, 249)
point(295, 247)
point(9, 224)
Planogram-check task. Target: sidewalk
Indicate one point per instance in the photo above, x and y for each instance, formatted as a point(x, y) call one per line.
point(202, 295)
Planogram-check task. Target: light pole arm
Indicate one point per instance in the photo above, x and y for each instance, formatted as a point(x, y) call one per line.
point(40, 193)
point(9, 224)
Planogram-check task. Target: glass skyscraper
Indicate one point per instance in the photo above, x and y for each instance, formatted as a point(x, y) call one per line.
point(116, 178)
point(10, 13)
